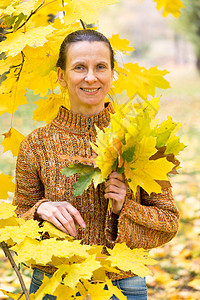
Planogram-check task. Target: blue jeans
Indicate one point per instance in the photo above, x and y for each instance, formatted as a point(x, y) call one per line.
point(134, 288)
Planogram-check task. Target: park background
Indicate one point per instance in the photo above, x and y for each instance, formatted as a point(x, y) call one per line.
point(157, 42)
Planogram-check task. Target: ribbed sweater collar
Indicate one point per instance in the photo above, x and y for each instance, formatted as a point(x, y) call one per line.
point(78, 123)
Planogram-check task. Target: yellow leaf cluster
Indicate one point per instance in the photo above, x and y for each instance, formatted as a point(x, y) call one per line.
point(170, 7)
point(130, 142)
point(76, 263)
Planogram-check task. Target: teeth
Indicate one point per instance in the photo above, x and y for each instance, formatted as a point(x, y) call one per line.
point(90, 90)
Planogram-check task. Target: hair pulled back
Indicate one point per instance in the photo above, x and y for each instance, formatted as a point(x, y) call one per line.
point(88, 35)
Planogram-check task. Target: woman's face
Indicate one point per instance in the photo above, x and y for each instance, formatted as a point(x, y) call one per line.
point(88, 76)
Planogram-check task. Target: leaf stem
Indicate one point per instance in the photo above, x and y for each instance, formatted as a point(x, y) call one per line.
point(13, 264)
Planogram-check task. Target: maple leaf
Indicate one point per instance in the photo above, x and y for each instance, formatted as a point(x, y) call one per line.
point(93, 291)
point(18, 234)
point(85, 10)
point(138, 80)
point(25, 7)
point(34, 37)
point(115, 290)
point(9, 62)
point(48, 286)
point(7, 210)
point(170, 7)
point(142, 171)
point(64, 290)
point(88, 174)
point(12, 93)
point(78, 271)
point(48, 108)
point(16, 296)
point(53, 231)
point(119, 44)
point(12, 221)
point(137, 263)
point(6, 185)
point(12, 141)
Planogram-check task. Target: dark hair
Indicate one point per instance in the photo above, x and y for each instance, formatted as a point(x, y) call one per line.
point(89, 35)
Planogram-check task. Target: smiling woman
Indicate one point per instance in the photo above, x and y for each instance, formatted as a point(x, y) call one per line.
point(85, 68)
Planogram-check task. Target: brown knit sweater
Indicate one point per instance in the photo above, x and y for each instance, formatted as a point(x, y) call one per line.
point(145, 221)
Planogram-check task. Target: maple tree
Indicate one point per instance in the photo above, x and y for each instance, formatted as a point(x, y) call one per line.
point(30, 50)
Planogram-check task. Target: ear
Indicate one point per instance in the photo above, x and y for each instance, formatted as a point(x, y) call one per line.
point(61, 77)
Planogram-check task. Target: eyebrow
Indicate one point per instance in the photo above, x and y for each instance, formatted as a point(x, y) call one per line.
point(80, 62)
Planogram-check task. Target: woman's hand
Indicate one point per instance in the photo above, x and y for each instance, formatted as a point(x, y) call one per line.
point(116, 190)
point(62, 214)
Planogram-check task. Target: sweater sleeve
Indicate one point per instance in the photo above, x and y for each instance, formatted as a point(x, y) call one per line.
point(148, 224)
point(29, 190)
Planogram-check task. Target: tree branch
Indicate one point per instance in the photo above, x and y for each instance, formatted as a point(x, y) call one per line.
point(13, 264)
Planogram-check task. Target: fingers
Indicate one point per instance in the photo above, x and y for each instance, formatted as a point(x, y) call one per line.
point(62, 214)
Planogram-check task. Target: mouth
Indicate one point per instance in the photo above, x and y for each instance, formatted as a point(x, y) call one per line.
point(90, 90)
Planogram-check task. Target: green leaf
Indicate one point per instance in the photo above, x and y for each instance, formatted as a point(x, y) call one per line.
point(128, 154)
point(163, 132)
point(174, 146)
point(21, 17)
point(83, 182)
point(76, 168)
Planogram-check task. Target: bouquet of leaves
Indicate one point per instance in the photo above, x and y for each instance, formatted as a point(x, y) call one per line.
point(135, 144)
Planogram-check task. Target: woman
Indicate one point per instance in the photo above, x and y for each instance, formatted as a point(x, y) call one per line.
point(85, 68)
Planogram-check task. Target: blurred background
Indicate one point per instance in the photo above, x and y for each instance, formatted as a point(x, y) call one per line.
point(172, 44)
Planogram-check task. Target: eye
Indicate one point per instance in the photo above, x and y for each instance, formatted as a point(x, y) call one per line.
point(79, 68)
point(101, 67)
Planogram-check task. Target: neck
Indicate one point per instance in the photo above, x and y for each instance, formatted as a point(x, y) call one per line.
point(88, 110)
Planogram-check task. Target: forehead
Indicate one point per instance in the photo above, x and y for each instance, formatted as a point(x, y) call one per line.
point(84, 51)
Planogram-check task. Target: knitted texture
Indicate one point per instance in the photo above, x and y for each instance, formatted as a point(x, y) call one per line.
point(144, 222)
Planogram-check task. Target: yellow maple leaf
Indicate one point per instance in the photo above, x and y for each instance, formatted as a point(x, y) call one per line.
point(78, 271)
point(27, 251)
point(7, 210)
point(170, 7)
point(25, 7)
point(19, 233)
point(15, 296)
point(54, 231)
point(34, 37)
point(88, 11)
point(93, 291)
point(12, 141)
point(138, 80)
point(9, 62)
point(41, 60)
point(64, 290)
point(106, 153)
point(48, 287)
point(12, 221)
point(48, 108)
point(135, 260)
point(142, 171)
point(41, 84)
point(119, 44)
point(115, 290)
point(6, 185)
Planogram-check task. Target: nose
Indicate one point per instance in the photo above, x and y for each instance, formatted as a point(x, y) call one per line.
point(90, 76)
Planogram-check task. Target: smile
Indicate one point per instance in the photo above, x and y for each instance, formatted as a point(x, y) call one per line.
point(90, 90)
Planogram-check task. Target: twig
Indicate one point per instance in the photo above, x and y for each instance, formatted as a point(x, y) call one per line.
point(13, 264)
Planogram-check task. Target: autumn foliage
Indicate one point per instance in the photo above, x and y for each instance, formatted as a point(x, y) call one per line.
point(33, 32)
